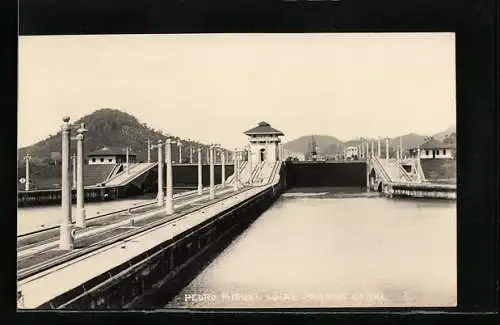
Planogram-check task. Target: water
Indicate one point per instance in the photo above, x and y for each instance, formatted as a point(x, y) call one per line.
point(39, 217)
point(338, 249)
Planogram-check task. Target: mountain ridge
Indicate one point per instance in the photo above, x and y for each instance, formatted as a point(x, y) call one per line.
point(106, 127)
point(330, 145)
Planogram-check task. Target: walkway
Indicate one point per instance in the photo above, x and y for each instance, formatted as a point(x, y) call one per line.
point(98, 255)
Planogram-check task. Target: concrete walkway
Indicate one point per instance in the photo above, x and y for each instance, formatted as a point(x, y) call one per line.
point(46, 285)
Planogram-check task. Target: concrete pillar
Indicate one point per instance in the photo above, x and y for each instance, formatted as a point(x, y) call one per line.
point(208, 155)
point(179, 145)
point(66, 240)
point(250, 164)
point(367, 175)
point(80, 194)
point(200, 180)
point(149, 151)
point(372, 152)
point(191, 155)
point(73, 183)
point(378, 148)
point(27, 177)
point(227, 155)
point(223, 168)
point(236, 170)
point(212, 173)
point(386, 148)
point(400, 147)
point(169, 206)
point(418, 165)
point(160, 174)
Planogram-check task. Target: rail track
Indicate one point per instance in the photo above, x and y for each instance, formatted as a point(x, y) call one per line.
point(113, 213)
point(26, 272)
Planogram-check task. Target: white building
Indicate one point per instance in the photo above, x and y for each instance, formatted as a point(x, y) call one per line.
point(264, 142)
point(350, 152)
point(434, 149)
point(108, 155)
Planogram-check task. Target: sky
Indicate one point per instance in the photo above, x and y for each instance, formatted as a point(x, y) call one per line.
point(343, 85)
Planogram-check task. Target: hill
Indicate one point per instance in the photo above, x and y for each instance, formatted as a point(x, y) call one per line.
point(446, 133)
point(327, 145)
point(330, 145)
point(106, 127)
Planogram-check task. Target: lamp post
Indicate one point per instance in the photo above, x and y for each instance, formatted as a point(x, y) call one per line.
point(66, 240)
point(169, 206)
point(27, 158)
point(236, 169)
point(378, 147)
point(223, 167)
point(200, 179)
point(179, 145)
point(387, 148)
point(400, 147)
point(249, 153)
point(73, 160)
point(160, 174)
point(212, 173)
point(80, 194)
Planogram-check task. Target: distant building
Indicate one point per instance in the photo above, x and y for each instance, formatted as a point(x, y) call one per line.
point(295, 155)
point(435, 149)
point(351, 153)
point(264, 142)
point(111, 155)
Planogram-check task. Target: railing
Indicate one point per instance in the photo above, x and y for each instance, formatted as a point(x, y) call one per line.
point(380, 169)
point(112, 172)
point(276, 167)
point(256, 171)
point(123, 178)
point(421, 190)
point(25, 198)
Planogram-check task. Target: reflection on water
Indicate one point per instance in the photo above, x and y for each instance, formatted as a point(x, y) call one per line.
point(335, 250)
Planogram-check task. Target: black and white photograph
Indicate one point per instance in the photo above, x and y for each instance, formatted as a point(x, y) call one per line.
point(236, 170)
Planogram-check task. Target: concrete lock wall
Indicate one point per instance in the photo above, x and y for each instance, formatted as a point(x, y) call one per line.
point(153, 278)
point(319, 174)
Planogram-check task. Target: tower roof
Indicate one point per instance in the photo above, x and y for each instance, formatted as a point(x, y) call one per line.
point(263, 128)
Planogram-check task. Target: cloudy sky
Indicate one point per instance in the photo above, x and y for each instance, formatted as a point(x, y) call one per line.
point(344, 85)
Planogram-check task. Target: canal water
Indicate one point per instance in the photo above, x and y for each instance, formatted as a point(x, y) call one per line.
point(332, 247)
point(39, 217)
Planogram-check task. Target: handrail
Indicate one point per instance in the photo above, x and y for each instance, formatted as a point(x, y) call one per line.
point(130, 177)
point(257, 170)
point(381, 169)
point(273, 172)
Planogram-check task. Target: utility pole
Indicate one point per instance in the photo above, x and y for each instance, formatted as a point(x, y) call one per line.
point(27, 158)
